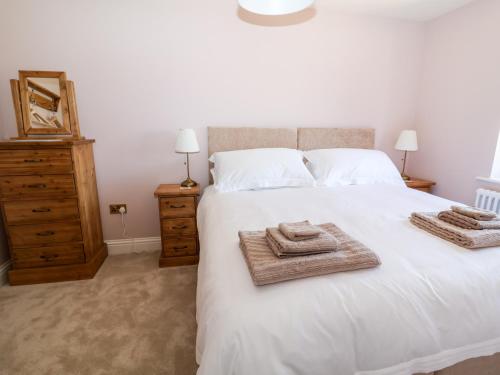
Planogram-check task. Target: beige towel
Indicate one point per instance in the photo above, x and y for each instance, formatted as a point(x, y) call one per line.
point(467, 222)
point(468, 238)
point(475, 213)
point(282, 246)
point(266, 268)
point(303, 230)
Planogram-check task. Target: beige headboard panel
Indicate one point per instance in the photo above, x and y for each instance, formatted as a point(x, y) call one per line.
point(318, 138)
point(230, 139)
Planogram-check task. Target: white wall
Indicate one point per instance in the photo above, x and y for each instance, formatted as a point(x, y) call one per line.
point(143, 69)
point(459, 111)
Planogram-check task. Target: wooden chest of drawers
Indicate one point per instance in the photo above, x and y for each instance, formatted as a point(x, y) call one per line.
point(179, 236)
point(50, 207)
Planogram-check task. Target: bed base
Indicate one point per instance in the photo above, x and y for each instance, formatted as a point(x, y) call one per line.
point(489, 365)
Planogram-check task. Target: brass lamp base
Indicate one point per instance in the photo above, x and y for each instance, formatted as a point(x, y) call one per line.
point(188, 183)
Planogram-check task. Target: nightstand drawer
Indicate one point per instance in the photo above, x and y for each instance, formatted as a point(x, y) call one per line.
point(20, 186)
point(177, 207)
point(48, 256)
point(37, 234)
point(178, 227)
point(26, 212)
point(36, 161)
point(179, 246)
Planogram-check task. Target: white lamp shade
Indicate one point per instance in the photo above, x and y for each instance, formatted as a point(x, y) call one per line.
point(274, 7)
point(186, 142)
point(407, 141)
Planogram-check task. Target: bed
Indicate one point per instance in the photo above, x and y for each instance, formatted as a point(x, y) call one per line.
point(431, 307)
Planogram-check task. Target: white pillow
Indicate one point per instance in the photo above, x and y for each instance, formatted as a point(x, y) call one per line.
point(260, 169)
point(352, 166)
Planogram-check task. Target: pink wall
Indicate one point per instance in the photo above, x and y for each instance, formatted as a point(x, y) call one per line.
point(145, 69)
point(459, 107)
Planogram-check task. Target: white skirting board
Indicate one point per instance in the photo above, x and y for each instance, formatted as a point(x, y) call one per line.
point(133, 245)
point(3, 272)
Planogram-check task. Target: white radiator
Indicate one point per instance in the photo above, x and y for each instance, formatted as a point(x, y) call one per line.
point(488, 200)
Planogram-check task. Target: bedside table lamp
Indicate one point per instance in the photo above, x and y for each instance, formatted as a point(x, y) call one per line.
point(407, 141)
point(187, 143)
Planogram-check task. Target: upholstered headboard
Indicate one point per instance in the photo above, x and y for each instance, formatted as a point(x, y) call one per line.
point(318, 138)
point(230, 139)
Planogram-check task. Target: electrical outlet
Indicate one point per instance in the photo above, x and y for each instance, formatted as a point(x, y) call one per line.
point(115, 208)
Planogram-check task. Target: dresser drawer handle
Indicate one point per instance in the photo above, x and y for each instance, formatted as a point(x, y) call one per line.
point(37, 186)
point(180, 247)
point(33, 160)
point(179, 227)
point(174, 206)
point(46, 233)
point(48, 258)
point(41, 209)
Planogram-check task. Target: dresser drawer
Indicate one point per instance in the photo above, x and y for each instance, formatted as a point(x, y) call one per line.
point(178, 227)
point(36, 161)
point(179, 246)
point(48, 256)
point(177, 207)
point(24, 212)
point(20, 186)
point(38, 234)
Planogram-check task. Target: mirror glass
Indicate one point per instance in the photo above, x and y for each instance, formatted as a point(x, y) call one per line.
point(44, 102)
point(44, 98)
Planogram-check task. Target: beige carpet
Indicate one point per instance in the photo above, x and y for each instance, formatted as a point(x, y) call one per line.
point(132, 318)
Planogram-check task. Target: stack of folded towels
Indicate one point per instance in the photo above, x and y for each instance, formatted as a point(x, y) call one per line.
point(465, 226)
point(470, 218)
point(297, 250)
point(302, 238)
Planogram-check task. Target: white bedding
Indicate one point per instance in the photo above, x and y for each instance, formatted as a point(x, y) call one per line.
point(429, 305)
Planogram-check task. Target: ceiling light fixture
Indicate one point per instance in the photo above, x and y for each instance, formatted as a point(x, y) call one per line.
point(275, 7)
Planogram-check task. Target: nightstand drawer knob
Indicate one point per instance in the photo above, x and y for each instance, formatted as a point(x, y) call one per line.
point(33, 160)
point(48, 258)
point(179, 206)
point(180, 247)
point(37, 186)
point(46, 233)
point(41, 209)
point(179, 227)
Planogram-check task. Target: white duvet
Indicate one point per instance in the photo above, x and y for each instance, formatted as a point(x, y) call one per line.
point(429, 305)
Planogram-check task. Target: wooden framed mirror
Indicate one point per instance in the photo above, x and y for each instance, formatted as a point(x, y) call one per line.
point(45, 104)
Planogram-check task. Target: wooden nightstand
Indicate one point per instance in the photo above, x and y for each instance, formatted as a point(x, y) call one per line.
point(179, 235)
point(419, 184)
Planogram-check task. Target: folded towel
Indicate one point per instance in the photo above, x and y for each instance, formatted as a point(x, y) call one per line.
point(265, 268)
point(283, 247)
point(469, 238)
point(475, 213)
point(467, 222)
point(303, 230)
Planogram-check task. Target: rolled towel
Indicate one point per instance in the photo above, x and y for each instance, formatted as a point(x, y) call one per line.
point(302, 230)
point(283, 247)
point(475, 213)
point(467, 222)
